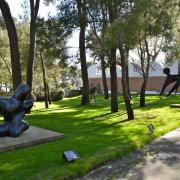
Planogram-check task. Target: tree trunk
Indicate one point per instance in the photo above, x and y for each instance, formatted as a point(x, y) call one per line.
point(145, 74)
point(30, 60)
point(127, 80)
point(44, 80)
point(105, 87)
point(127, 99)
point(82, 23)
point(6, 87)
point(127, 70)
point(8, 68)
point(49, 94)
point(142, 92)
point(85, 90)
point(114, 102)
point(13, 41)
point(112, 8)
point(34, 12)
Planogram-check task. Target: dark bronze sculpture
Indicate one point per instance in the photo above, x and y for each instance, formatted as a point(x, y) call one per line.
point(14, 109)
point(170, 79)
point(92, 93)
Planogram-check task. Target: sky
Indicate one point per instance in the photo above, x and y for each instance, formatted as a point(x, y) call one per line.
point(17, 10)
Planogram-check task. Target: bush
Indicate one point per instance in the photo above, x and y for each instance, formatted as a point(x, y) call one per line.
point(55, 95)
point(39, 96)
point(73, 93)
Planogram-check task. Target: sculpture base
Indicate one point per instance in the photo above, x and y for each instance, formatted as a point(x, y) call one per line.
point(32, 136)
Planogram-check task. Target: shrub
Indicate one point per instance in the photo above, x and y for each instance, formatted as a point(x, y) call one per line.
point(73, 93)
point(55, 95)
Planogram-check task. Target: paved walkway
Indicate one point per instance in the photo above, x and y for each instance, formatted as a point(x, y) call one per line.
point(158, 161)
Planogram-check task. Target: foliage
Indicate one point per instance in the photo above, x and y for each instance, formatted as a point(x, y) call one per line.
point(67, 14)
point(96, 134)
point(51, 43)
point(23, 36)
point(56, 95)
point(23, 33)
point(172, 48)
point(5, 62)
point(52, 38)
point(73, 93)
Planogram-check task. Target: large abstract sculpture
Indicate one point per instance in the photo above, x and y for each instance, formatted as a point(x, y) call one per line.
point(170, 79)
point(13, 109)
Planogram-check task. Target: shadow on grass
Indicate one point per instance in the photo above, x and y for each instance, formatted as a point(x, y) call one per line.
point(156, 158)
point(154, 102)
point(97, 135)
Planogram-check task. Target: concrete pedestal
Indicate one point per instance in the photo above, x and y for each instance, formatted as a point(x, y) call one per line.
point(32, 136)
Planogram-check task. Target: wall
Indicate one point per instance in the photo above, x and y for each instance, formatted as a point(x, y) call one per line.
point(154, 84)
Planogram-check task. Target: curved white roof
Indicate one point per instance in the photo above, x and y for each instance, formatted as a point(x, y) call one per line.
point(94, 71)
point(173, 67)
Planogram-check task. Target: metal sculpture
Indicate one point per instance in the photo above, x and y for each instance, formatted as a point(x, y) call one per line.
point(92, 93)
point(170, 79)
point(14, 109)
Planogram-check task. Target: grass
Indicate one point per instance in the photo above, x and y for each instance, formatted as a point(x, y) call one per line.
point(96, 134)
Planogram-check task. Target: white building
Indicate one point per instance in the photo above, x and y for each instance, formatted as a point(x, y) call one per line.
point(155, 82)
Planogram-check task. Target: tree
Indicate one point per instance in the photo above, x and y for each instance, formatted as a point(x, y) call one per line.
point(44, 79)
point(147, 51)
point(81, 6)
point(99, 23)
point(106, 13)
point(105, 86)
point(112, 10)
point(172, 43)
point(158, 20)
point(73, 15)
point(13, 41)
point(125, 89)
point(119, 33)
point(5, 62)
point(98, 54)
point(51, 48)
point(23, 37)
point(34, 6)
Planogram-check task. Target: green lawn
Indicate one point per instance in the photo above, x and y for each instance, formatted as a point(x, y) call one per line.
point(96, 134)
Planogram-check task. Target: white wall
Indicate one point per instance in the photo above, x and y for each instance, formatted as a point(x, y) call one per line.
point(93, 71)
point(155, 70)
point(173, 67)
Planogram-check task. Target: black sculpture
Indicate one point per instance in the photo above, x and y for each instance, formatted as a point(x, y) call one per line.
point(92, 93)
point(170, 79)
point(14, 109)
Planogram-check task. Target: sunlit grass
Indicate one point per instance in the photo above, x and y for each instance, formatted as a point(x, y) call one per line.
point(95, 133)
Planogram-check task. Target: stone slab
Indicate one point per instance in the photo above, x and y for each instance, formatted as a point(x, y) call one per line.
point(33, 136)
point(175, 105)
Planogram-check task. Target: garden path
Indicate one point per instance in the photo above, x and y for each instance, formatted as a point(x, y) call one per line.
point(159, 160)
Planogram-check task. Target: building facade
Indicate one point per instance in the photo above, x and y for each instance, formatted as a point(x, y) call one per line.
point(155, 81)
